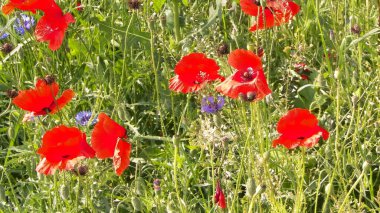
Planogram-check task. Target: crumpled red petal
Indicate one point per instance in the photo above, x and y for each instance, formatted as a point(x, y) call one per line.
point(121, 157)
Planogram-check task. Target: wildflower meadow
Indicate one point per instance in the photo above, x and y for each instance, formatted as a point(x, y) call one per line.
point(190, 106)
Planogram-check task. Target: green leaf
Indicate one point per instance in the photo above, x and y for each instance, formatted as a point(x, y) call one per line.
point(185, 2)
point(157, 4)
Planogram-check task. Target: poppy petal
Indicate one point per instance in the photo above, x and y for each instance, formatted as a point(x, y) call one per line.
point(249, 7)
point(52, 28)
point(45, 167)
point(105, 136)
point(35, 100)
point(65, 98)
point(264, 20)
point(121, 156)
point(242, 59)
point(193, 72)
point(286, 142)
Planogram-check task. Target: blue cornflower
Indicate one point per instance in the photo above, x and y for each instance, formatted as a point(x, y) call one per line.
point(3, 35)
point(83, 118)
point(210, 105)
point(26, 22)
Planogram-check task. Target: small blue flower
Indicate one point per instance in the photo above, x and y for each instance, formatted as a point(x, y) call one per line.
point(210, 105)
point(83, 118)
point(26, 22)
point(3, 35)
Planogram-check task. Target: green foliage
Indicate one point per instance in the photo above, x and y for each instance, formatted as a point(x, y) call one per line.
point(119, 61)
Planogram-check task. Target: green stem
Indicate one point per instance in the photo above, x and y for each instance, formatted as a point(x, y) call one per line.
point(177, 30)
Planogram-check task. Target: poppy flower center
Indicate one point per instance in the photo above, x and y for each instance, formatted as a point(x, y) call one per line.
point(65, 156)
point(201, 77)
point(248, 75)
point(46, 109)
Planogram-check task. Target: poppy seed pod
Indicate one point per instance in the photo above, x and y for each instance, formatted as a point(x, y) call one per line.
point(12, 93)
point(82, 170)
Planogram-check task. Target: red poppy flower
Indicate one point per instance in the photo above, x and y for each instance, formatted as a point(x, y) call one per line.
point(52, 27)
point(299, 128)
point(27, 5)
point(42, 99)
point(193, 72)
point(275, 13)
point(109, 140)
point(62, 147)
point(219, 196)
point(248, 81)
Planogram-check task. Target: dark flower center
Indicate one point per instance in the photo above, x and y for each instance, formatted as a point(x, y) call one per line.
point(301, 138)
point(248, 75)
point(65, 156)
point(46, 109)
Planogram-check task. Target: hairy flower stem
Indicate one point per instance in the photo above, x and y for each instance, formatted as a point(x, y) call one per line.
point(175, 173)
point(177, 30)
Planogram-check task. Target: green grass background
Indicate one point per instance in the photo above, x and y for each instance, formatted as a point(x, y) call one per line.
point(119, 61)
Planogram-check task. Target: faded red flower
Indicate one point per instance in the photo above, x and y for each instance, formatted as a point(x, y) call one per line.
point(27, 5)
point(248, 81)
point(42, 99)
point(219, 196)
point(62, 147)
point(52, 27)
point(110, 140)
point(194, 71)
point(302, 70)
point(299, 128)
point(275, 12)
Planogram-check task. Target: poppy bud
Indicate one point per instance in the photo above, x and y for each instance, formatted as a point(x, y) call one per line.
point(223, 49)
point(80, 170)
point(12, 93)
point(2, 194)
point(329, 189)
point(266, 156)
point(354, 100)
point(64, 192)
point(140, 186)
point(49, 79)
point(134, 4)
point(171, 207)
point(377, 149)
point(251, 186)
point(260, 189)
point(365, 166)
point(176, 140)
point(6, 48)
point(260, 52)
point(251, 96)
point(356, 29)
point(242, 96)
point(136, 203)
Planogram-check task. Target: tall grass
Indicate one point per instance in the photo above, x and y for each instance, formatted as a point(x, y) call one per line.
point(119, 61)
